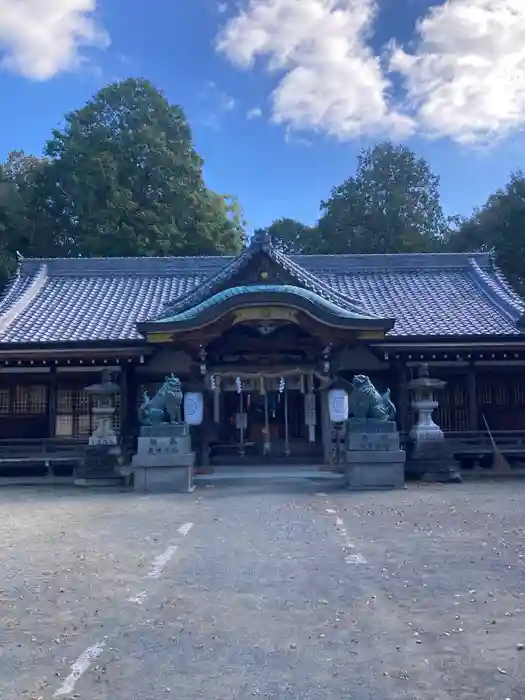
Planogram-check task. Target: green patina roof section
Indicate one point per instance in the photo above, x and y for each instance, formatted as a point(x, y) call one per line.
point(246, 290)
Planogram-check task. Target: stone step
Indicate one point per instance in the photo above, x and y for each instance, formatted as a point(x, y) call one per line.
point(106, 481)
point(266, 474)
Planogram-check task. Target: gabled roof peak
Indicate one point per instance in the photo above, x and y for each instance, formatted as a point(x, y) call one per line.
point(261, 245)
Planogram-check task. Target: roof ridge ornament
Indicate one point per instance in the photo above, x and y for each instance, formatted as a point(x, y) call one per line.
point(261, 238)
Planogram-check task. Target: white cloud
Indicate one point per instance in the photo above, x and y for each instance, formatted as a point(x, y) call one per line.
point(330, 78)
point(214, 104)
point(254, 113)
point(463, 78)
point(41, 38)
point(221, 100)
point(466, 77)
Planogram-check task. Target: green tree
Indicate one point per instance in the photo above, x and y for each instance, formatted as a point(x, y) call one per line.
point(500, 226)
point(10, 227)
point(292, 237)
point(37, 233)
point(125, 179)
point(391, 205)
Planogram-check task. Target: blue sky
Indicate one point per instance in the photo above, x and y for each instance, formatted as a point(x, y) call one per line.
point(282, 94)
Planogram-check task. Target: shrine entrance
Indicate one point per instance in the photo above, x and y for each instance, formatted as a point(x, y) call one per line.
point(266, 418)
point(262, 337)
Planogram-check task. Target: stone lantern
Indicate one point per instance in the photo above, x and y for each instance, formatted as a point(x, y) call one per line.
point(430, 456)
point(103, 456)
point(103, 397)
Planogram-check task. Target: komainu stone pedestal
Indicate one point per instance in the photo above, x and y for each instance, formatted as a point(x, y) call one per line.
point(164, 462)
point(373, 457)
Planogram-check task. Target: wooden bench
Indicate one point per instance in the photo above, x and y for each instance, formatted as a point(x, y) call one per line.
point(42, 457)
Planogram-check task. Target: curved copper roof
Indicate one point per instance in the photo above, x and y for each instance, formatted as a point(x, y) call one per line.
point(265, 289)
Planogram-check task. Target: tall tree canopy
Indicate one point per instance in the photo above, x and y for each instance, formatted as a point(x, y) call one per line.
point(391, 205)
point(123, 178)
point(292, 237)
point(9, 227)
point(500, 226)
point(35, 233)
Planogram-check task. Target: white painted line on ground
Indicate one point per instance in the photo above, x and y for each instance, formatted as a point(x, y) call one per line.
point(348, 545)
point(78, 669)
point(85, 660)
point(139, 598)
point(160, 562)
point(158, 565)
point(355, 559)
point(184, 529)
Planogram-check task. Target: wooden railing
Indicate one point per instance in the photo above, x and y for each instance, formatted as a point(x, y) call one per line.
point(33, 457)
point(474, 449)
point(45, 457)
point(40, 448)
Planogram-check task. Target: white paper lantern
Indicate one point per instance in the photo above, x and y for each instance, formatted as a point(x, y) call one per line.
point(338, 405)
point(193, 407)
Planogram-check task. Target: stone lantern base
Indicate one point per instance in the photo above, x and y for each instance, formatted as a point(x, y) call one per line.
point(103, 460)
point(433, 460)
point(101, 466)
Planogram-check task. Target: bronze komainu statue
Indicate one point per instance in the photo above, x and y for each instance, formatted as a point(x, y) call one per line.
point(366, 403)
point(165, 406)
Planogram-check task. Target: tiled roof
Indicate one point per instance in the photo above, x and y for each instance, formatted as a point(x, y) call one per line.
point(102, 299)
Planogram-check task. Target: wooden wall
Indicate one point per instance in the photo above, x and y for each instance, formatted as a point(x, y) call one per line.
point(48, 405)
point(41, 405)
point(498, 393)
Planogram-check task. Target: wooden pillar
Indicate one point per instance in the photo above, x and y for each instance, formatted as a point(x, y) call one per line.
point(128, 404)
point(325, 427)
point(286, 426)
point(206, 432)
point(472, 398)
point(403, 399)
point(52, 403)
point(124, 408)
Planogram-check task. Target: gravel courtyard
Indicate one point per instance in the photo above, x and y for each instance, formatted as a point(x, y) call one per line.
point(274, 592)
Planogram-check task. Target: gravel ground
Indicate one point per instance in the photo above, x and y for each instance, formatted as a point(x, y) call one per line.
point(264, 592)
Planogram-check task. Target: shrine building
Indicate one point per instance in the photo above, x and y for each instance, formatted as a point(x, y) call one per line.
point(263, 336)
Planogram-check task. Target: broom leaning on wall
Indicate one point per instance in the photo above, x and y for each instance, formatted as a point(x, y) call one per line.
point(499, 463)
